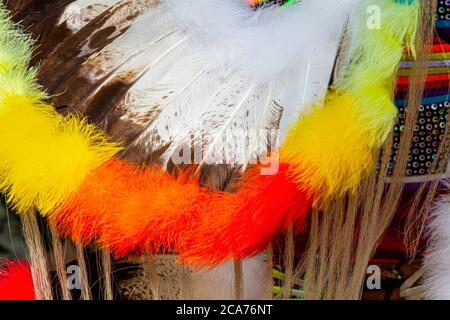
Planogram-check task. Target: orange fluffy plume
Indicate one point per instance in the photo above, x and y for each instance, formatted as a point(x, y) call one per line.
point(128, 210)
point(265, 205)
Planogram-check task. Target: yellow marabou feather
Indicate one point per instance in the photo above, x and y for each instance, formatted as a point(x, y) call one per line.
point(15, 45)
point(43, 155)
point(329, 149)
point(373, 57)
point(333, 148)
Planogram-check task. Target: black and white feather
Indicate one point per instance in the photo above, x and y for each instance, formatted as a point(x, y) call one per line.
point(214, 75)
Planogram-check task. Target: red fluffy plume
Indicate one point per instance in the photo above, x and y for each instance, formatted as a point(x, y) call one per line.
point(264, 206)
point(129, 210)
point(16, 282)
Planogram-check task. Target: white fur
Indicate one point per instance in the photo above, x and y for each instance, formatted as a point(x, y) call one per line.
point(437, 260)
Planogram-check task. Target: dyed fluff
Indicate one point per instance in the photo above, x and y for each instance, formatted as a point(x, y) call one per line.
point(16, 282)
point(372, 61)
point(129, 210)
point(332, 149)
point(324, 164)
point(265, 205)
point(43, 156)
point(64, 166)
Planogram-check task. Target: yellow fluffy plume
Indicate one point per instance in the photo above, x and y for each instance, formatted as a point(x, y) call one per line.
point(43, 155)
point(378, 41)
point(333, 148)
point(329, 148)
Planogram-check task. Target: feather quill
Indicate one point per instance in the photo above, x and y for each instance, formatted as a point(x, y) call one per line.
point(236, 96)
point(34, 174)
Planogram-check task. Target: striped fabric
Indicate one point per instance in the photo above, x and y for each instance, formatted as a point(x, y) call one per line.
point(433, 116)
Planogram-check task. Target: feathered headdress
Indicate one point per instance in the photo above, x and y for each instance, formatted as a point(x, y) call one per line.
point(201, 70)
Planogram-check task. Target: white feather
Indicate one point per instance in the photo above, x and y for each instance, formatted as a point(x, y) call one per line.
point(437, 260)
point(246, 64)
point(221, 71)
point(139, 50)
point(79, 13)
point(262, 42)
